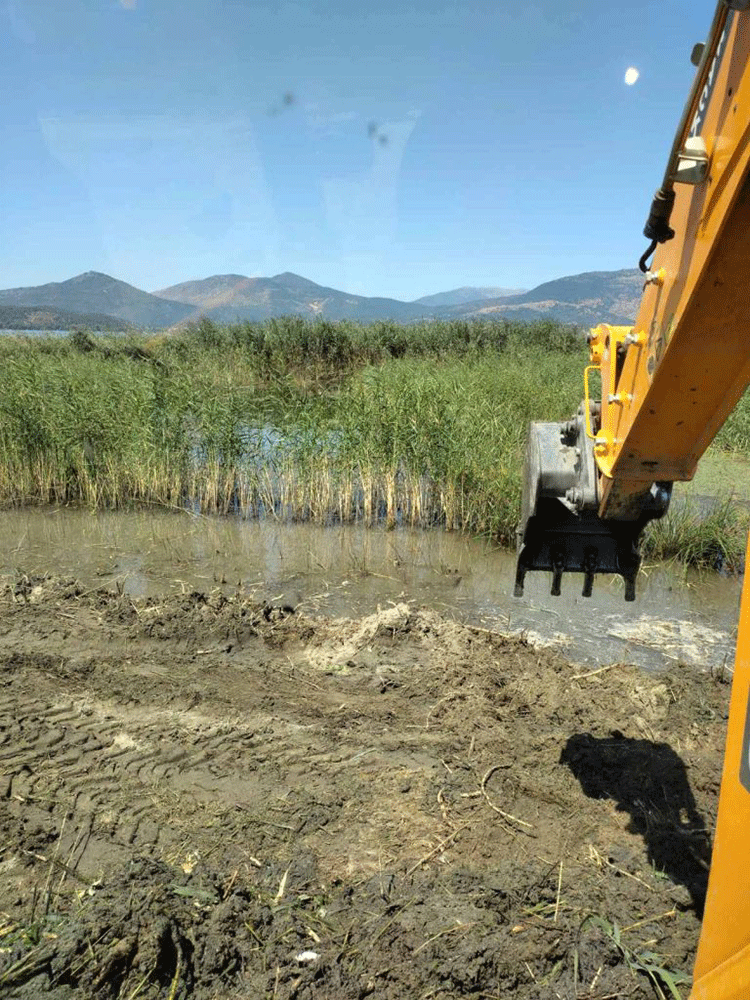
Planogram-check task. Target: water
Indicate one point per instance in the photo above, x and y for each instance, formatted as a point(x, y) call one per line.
point(348, 570)
point(34, 333)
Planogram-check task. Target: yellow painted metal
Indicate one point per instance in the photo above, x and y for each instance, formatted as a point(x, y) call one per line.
point(596, 345)
point(638, 339)
point(657, 277)
point(603, 446)
point(603, 342)
point(722, 967)
point(587, 399)
point(685, 380)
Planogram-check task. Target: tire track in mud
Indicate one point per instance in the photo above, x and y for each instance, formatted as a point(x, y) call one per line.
point(114, 744)
point(212, 805)
point(151, 783)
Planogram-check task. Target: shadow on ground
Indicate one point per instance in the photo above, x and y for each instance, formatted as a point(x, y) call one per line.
point(649, 781)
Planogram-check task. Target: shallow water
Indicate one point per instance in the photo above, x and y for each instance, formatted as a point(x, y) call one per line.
point(34, 333)
point(351, 570)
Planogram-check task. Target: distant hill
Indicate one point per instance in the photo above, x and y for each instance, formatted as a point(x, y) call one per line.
point(458, 296)
point(584, 299)
point(229, 297)
point(94, 292)
point(41, 318)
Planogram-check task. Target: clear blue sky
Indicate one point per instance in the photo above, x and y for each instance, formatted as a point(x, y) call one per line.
point(384, 147)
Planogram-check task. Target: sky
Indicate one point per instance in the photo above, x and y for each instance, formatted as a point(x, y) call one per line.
point(383, 147)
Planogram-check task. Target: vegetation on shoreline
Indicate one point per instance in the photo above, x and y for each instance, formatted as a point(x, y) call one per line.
point(708, 537)
point(50, 318)
point(420, 425)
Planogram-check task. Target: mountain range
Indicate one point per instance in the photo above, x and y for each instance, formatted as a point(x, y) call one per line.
point(467, 293)
point(93, 292)
point(582, 299)
point(228, 297)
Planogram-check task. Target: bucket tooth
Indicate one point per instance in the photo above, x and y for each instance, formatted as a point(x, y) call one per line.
point(589, 569)
point(558, 567)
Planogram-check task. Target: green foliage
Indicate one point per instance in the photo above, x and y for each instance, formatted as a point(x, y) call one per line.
point(422, 424)
point(735, 434)
point(293, 341)
point(710, 537)
point(664, 981)
point(456, 427)
point(67, 433)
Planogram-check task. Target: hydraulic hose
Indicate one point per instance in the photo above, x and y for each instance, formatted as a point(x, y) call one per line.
point(657, 228)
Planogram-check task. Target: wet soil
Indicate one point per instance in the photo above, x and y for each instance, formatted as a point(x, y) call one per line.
point(347, 571)
point(208, 796)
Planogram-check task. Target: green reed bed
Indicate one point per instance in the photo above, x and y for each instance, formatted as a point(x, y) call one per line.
point(419, 425)
point(735, 434)
point(711, 531)
point(293, 341)
point(328, 422)
point(708, 537)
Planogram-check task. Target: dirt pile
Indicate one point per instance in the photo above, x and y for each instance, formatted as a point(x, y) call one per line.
point(212, 797)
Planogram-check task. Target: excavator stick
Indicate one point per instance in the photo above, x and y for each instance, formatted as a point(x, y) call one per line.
point(561, 530)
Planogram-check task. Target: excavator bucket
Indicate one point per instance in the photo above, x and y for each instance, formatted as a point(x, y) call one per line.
point(560, 530)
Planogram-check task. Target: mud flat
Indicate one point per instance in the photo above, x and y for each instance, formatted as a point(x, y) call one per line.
point(348, 571)
point(206, 796)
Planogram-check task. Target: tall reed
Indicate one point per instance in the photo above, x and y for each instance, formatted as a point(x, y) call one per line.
point(421, 425)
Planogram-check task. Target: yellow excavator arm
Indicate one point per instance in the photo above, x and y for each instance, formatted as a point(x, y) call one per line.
point(667, 386)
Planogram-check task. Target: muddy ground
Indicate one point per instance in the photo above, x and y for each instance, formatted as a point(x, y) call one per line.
point(216, 798)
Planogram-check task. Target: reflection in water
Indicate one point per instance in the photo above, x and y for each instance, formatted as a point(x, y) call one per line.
point(349, 570)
